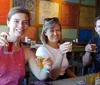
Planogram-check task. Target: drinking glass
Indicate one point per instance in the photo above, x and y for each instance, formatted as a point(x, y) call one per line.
point(93, 46)
point(40, 64)
point(95, 75)
point(9, 49)
point(70, 47)
point(90, 79)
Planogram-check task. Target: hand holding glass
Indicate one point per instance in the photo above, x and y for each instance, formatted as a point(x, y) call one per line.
point(70, 46)
point(93, 46)
point(66, 47)
point(40, 64)
point(9, 49)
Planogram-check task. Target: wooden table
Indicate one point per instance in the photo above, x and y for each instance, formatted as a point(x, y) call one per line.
point(69, 81)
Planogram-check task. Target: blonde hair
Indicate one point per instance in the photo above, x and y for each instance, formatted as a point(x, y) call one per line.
point(49, 23)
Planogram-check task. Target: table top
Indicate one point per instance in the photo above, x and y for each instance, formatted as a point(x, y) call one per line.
point(69, 81)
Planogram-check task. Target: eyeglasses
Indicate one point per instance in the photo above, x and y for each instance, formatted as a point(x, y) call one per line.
point(54, 18)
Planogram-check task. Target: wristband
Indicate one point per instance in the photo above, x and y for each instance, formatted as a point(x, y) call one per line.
point(46, 70)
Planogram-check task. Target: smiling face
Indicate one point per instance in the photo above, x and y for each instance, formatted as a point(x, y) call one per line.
point(53, 34)
point(97, 27)
point(17, 24)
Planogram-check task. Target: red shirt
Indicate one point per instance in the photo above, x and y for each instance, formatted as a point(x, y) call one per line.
point(12, 67)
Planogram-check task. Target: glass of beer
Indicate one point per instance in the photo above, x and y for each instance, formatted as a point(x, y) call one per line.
point(93, 46)
point(69, 43)
point(40, 62)
point(90, 79)
point(96, 75)
point(70, 47)
point(41, 65)
point(9, 49)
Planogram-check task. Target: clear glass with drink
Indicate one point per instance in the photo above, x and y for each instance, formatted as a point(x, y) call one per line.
point(90, 79)
point(93, 46)
point(9, 49)
point(95, 75)
point(69, 44)
point(40, 64)
point(70, 49)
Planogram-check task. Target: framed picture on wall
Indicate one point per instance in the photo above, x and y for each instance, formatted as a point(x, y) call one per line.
point(28, 4)
point(69, 14)
point(84, 35)
point(85, 19)
point(48, 9)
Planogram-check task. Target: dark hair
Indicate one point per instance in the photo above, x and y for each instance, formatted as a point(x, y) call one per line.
point(49, 23)
point(97, 18)
point(18, 9)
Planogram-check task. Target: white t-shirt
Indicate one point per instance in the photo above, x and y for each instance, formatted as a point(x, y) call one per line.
point(48, 51)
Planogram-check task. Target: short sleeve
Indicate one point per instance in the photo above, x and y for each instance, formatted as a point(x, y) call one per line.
point(42, 52)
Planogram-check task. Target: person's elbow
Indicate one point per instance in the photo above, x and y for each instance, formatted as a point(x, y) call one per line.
point(42, 78)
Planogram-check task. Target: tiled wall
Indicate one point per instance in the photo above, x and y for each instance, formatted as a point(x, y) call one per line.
point(66, 33)
point(69, 33)
point(34, 33)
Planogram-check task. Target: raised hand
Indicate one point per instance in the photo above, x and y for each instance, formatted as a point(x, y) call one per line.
point(88, 48)
point(66, 47)
point(3, 39)
point(47, 63)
